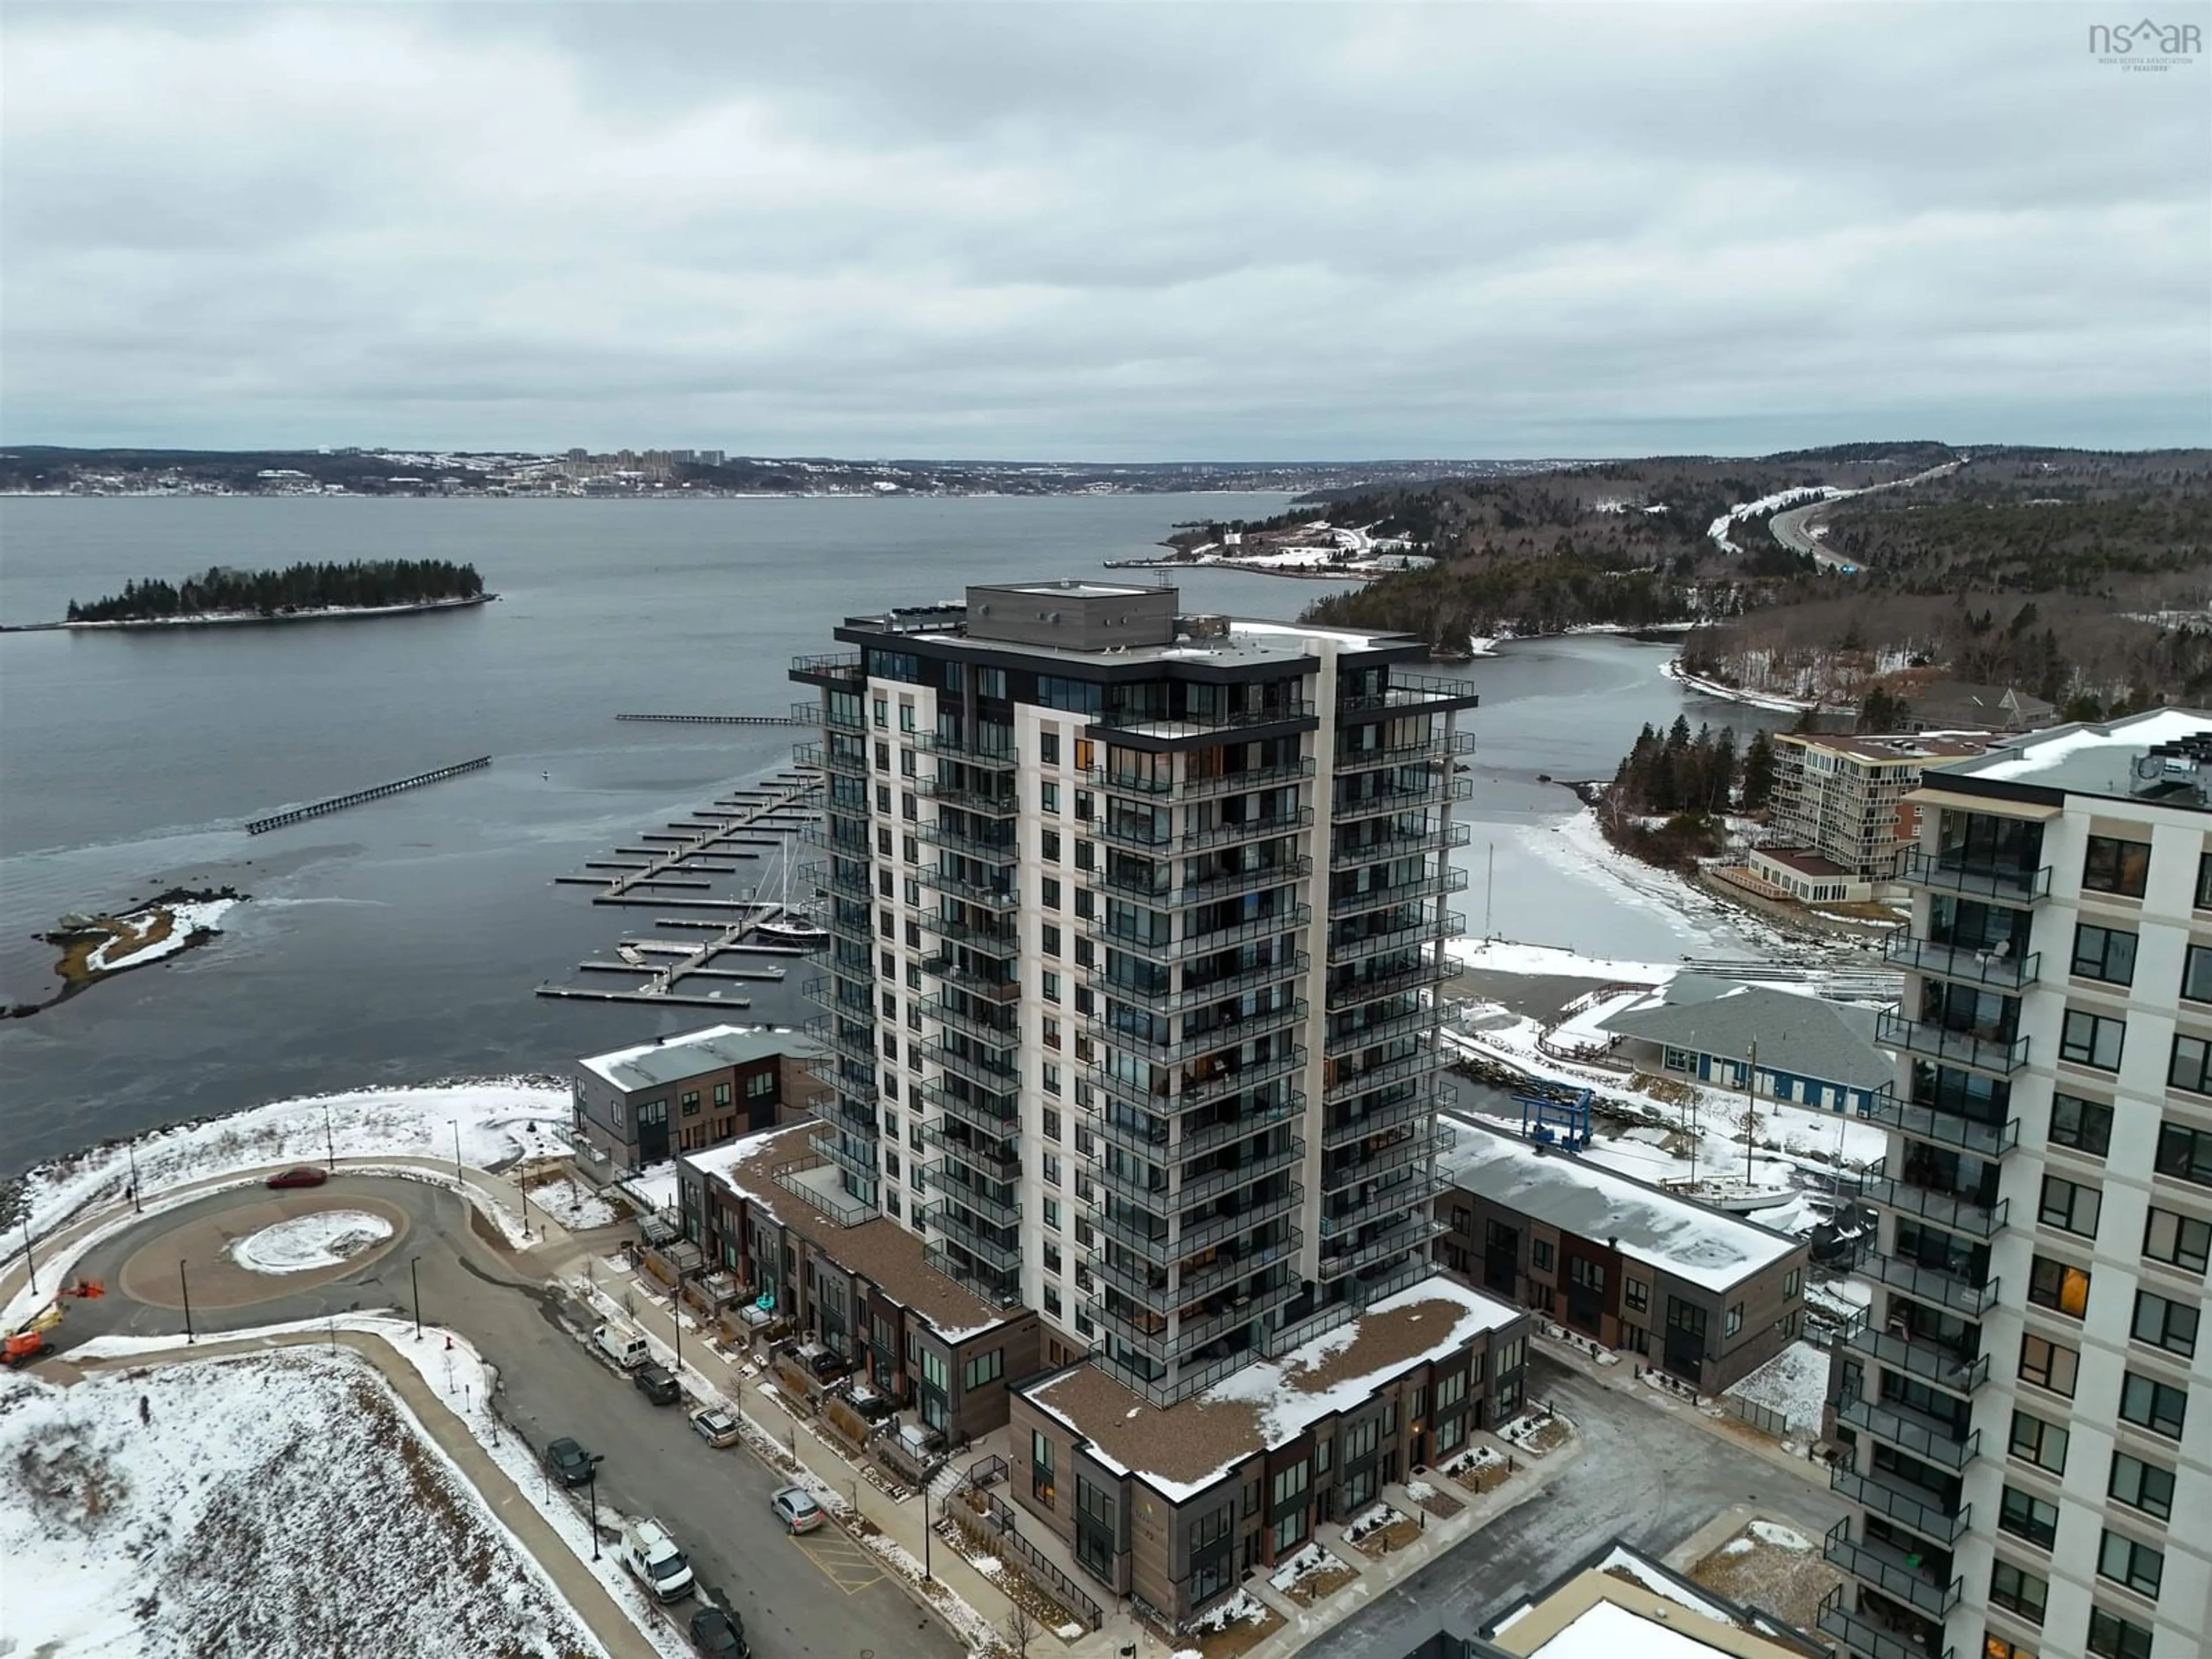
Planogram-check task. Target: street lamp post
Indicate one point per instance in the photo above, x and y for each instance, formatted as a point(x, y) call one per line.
point(185, 1287)
point(130, 1148)
point(457, 1153)
point(30, 1261)
point(329, 1143)
point(592, 1488)
point(415, 1280)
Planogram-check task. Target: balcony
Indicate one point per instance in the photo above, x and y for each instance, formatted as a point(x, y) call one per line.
point(1942, 1128)
point(995, 1077)
point(997, 938)
point(1258, 879)
point(1191, 1334)
point(1413, 1107)
point(1436, 790)
point(1001, 1286)
point(1909, 1505)
point(970, 796)
point(1413, 1232)
point(1253, 777)
point(1193, 1236)
point(861, 1160)
point(1266, 827)
point(1140, 1287)
point(1404, 1152)
point(990, 989)
point(1357, 1039)
point(1444, 878)
point(1189, 945)
point(1973, 967)
point(986, 1121)
point(1891, 1570)
point(1002, 1211)
point(1435, 968)
point(954, 748)
point(855, 1043)
point(841, 1114)
point(977, 1240)
point(1413, 691)
point(1950, 872)
point(1142, 722)
point(1436, 838)
point(1925, 1436)
point(1206, 1135)
point(1983, 1053)
point(1236, 1079)
point(851, 761)
point(840, 669)
point(998, 1029)
point(1416, 1190)
point(1351, 1083)
point(1425, 930)
point(1862, 1636)
point(1918, 1356)
point(981, 894)
point(1157, 1248)
point(994, 851)
point(1436, 746)
point(1290, 964)
point(1197, 1045)
point(1958, 1295)
point(1953, 1212)
point(990, 1158)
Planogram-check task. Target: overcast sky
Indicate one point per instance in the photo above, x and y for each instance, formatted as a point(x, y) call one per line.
point(1119, 233)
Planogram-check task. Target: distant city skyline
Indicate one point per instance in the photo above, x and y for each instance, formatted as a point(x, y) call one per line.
point(1101, 234)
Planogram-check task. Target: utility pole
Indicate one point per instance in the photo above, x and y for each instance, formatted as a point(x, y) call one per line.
point(457, 1154)
point(415, 1280)
point(185, 1287)
point(130, 1147)
point(329, 1143)
point(30, 1261)
point(1489, 890)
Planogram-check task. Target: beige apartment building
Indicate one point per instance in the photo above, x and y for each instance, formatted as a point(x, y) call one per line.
point(1838, 798)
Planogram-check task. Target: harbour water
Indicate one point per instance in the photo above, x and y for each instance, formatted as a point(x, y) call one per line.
point(401, 941)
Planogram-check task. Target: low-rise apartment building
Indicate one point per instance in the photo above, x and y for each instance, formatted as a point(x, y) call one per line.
point(1173, 1504)
point(641, 1105)
point(1704, 1296)
point(759, 1213)
point(1776, 1044)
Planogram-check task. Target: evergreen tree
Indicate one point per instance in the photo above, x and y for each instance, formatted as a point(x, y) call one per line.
point(1758, 773)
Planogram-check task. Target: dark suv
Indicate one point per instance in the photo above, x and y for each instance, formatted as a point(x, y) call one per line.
point(654, 1382)
point(570, 1463)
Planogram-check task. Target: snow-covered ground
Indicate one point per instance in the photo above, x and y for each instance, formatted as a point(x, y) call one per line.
point(1794, 1385)
point(1773, 702)
point(1722, 527)
point(133, 949)
point(575, 1204)
point(326, 1239)
point(121, 1492)
point(498, 1120)
point(654, 1185)
point(1506, 956)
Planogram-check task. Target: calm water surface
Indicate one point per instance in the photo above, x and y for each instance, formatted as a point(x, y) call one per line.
point(400, 941)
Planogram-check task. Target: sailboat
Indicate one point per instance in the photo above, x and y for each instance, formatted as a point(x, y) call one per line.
point(789, 925)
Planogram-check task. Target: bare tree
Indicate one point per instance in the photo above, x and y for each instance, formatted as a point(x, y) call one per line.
point(1022, 1628)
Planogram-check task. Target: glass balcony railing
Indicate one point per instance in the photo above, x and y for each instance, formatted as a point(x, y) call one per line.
point(1865, 1637)
point(1942, 1128)
point(1948, 1369)
point(1917, 1507)
point(1959, 1294)
point(1983, 966)
point(1901, 1575)
point(1929, 1439)
point(1953, 872)
point(1983, 1052)
point(1957, 1213)
point(1399, 845)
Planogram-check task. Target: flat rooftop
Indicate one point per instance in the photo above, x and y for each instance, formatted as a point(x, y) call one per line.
point(1805, 864)
point(1080, 589)
point(671, 1059)
point(1180, 1449)
point(880, 1250)
point(1894, 749)
point(1691, 1241)
point(2095, 758)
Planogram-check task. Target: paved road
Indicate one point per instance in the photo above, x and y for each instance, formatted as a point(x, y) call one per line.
point(1643, 1475)
point(1793, 529)
point(813, 1598)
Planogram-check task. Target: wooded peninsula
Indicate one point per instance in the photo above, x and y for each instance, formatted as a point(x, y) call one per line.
point(297, 591)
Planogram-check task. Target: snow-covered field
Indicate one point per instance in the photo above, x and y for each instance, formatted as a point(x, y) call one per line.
point(325, 1239)
point(499, 1121)
point(247, 1507)
point(575, 1205)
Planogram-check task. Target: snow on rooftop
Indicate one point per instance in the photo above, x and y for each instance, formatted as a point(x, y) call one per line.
point(635, 1067)
point(1704, 1246)
point(2024, 760)
point(1640, 1567)
point(1605, 1630)
point(1306, 631)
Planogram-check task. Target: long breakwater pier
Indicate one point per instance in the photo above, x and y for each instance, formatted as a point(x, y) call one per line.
point(339, 803)
point(679, 871)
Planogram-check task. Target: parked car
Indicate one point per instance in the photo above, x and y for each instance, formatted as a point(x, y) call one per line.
point(622, 1345)
point(716, 1426)
point(305, 1175)
point(648, 1551)
point(570, 1463)
point(795, 1507)
point(654, 1382)
point(719, 1635)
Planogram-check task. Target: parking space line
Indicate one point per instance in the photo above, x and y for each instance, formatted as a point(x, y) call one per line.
point(850, 1566)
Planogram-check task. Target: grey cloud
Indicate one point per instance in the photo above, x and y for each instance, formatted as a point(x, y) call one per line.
point(1132, 231)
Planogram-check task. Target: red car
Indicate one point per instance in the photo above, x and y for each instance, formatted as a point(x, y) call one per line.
point(305, 1175)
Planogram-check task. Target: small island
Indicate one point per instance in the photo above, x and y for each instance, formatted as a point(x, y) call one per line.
point(300, 592)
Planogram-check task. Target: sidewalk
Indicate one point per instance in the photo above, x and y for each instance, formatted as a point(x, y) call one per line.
point(615, 1631)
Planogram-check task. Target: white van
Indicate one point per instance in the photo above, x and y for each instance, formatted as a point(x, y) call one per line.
point(650, 1554)
point(622, 1345)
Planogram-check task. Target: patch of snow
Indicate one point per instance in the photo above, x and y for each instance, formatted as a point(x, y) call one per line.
point(327, 1238)
point(1638, 1567)
point(1793, 1385)
point(1781, 1537)
point(1738, 1546)
point(1311, 1559)
point(185, 921)
point(576, 1205)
